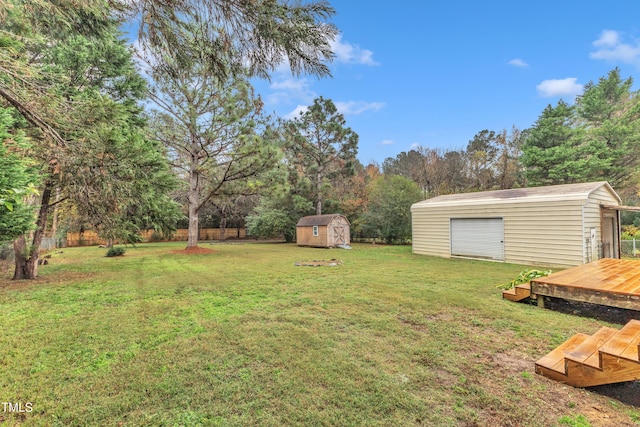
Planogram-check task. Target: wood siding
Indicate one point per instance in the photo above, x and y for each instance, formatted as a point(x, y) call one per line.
point(327, 234)
point(305, 237)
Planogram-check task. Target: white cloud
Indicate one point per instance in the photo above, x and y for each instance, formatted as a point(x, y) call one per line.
point(387, 142)
point(611, 48)
point(351, 54)
point(608, 38)
point(290, 90)
point(357, 107)
point(346, 108)
point(563, 87)
point(300, 109)
point(517, 62)
point(290, 85)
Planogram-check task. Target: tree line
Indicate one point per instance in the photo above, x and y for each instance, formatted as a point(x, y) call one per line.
point(96, 134)
point(597, 138)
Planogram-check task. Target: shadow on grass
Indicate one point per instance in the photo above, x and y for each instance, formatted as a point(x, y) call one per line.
point(603, 313)
point(627, 393)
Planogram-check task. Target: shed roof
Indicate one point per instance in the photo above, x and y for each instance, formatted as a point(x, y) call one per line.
point(308, 221)
point(580, 191)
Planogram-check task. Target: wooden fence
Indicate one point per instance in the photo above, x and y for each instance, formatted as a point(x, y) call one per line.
point(90, 238)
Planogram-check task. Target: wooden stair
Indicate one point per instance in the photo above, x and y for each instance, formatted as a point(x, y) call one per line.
point(518, 293)
point(606, 357)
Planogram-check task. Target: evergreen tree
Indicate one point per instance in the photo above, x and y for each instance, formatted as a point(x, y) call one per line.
point(598, 139)
point(551, 148)
point(17, 180)
point(609, 115)
point(212, 134)
point(321, 147)
point(85, 124)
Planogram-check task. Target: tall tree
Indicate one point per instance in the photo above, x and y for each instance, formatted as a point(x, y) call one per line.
point(508, 168)
point(210, 130)
point(482, 153)
point(321, 147)
point(609, 115)
point(455, 172)
point(597, 139)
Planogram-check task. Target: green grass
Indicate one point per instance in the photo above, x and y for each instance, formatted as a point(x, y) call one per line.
point(243, 337)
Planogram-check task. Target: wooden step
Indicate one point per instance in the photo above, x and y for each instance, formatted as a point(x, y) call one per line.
point(518, 293)
point(625, 342)
point(587, 353)
point(606, 357)
point(555, 360)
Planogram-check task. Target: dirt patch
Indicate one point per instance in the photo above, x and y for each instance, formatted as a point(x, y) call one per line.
point(441, 317)
point(512, 363)
point(319, 263)
point(197, 250)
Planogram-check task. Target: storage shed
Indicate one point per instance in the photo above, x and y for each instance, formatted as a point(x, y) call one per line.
point(323, 231)
point(559, 225)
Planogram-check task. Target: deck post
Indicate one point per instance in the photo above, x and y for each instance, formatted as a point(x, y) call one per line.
point(540, 300)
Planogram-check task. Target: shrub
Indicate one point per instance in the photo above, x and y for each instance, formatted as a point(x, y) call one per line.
point(115, 251)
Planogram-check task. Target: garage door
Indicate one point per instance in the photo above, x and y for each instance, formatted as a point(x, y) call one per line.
point(478, 238)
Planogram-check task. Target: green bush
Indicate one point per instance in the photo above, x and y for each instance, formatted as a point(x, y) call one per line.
point(524, 277)
point(115, 251)
point(155, 237)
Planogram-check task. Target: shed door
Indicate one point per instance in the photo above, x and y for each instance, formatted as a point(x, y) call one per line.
point(478, 238)
point(339, 232)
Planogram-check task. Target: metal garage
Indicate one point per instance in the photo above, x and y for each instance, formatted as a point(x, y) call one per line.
point(559, 225)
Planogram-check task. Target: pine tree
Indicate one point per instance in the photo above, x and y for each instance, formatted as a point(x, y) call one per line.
point(321, 147)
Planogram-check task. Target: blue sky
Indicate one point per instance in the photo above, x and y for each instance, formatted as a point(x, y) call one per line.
point(436, 73)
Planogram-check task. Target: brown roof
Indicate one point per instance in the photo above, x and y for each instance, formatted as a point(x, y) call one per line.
point(309, 221)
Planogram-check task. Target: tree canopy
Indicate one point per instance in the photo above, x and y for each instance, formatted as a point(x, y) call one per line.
point(596, 139)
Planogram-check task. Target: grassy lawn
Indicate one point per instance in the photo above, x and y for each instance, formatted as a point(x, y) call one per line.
point(243, 337)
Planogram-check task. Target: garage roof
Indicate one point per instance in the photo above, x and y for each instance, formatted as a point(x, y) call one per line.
point(519, 195)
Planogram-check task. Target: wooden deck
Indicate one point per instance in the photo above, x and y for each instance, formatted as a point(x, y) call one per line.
point(610, 282)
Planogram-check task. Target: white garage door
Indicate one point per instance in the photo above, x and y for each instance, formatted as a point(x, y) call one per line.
point(478, 238)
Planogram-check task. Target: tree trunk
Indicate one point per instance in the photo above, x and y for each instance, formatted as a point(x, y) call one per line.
point(223, 223)
point(54, 220)
point(319, 196)
point(26, 264)
point(194, 198)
